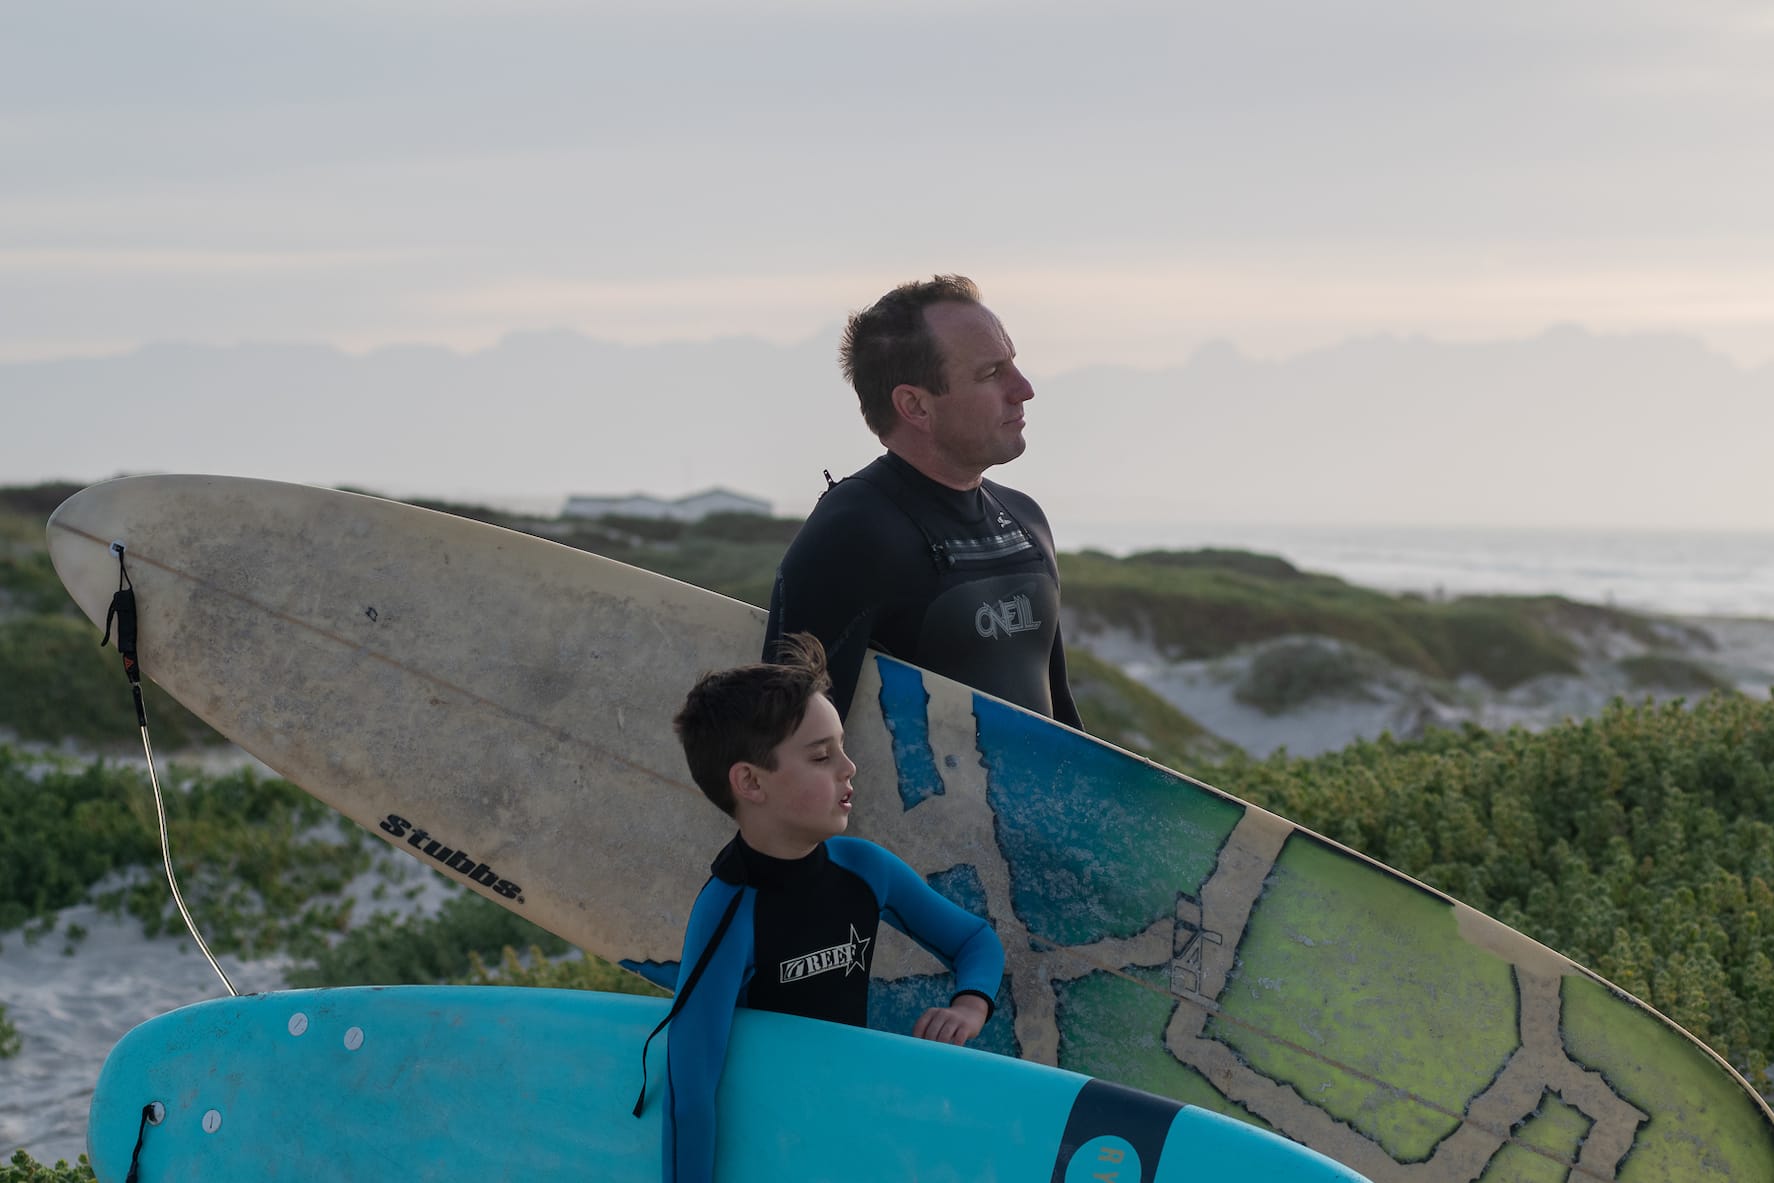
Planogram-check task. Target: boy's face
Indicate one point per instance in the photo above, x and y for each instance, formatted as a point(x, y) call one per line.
point(805, 799)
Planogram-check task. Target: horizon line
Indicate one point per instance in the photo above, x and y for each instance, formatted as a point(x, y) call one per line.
point(16, 357)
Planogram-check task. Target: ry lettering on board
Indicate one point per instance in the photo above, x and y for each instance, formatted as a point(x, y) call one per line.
point(1106, 1158)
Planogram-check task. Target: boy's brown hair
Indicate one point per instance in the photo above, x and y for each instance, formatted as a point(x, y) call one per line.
point(741, 715)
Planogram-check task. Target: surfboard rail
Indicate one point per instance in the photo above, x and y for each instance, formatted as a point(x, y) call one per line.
point(363, 1084)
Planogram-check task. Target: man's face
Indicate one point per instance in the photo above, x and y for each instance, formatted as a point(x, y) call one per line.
point(978, 421)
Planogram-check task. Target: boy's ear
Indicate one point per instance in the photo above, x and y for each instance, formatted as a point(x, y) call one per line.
point(742, 778)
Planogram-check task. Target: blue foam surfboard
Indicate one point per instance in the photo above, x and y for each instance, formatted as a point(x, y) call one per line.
point(481, 1083)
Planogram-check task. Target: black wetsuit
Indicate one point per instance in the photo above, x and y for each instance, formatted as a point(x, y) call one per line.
point(795, 936)
point(962, 583)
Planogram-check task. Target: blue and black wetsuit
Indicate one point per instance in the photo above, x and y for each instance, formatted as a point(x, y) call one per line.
point(799, 941)
point(962, 583)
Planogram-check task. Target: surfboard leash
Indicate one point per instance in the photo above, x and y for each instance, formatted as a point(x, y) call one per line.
point(123, 613)
point(153, 1113)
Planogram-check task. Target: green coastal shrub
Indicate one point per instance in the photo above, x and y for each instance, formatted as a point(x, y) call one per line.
point(1292, 673)
point(747, 528)
point(262, 866)
point(537, 969)
point(259, 860)
point(1639, 844)
point(29, 585)
point(66, 828)
point(260, 863)
point(57, 684)
point(454, 946)
point(1662, 671)
point(1207, 604)
point(32, 504)
point(386, 950)
point(1242, 561)
point(25, 1169)
point(743, 571)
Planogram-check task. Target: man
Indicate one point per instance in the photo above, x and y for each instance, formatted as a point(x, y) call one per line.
point(917, 554)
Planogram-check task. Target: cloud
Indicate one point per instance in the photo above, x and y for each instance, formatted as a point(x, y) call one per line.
point(1280, 171)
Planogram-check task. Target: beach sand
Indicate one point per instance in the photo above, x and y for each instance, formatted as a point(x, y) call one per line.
point(70, 1008)
point(1403, 704)
point(72, 1000)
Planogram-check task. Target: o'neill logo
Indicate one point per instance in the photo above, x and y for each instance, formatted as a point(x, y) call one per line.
point(459, 861)
point(1005, 618)
point(851, 955)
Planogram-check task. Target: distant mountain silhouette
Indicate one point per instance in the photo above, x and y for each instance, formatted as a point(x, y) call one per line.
point(1567, 427)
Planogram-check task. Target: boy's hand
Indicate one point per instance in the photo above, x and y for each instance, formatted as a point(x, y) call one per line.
point(955, 1023)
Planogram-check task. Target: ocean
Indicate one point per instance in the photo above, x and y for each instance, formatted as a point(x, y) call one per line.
point(1667, 572)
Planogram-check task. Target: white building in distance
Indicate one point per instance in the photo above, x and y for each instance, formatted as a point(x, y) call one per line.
point(691, 508)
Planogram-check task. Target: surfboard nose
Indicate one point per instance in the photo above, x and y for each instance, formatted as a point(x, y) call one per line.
point(80, 549)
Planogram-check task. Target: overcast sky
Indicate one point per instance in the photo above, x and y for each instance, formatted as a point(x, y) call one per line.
point(1126, 180)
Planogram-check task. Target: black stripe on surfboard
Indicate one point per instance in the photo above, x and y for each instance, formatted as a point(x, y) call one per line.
point(1120, 1132)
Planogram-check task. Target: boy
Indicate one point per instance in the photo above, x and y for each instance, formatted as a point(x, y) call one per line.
point(788, 919)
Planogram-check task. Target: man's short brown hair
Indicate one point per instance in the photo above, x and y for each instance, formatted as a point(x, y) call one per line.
point(889, 344)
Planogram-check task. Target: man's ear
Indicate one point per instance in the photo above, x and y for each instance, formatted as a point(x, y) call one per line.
point(912, 405)
point(742, 778)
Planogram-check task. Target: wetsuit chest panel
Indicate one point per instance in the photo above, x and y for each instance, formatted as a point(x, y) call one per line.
point(996, 633)
point(813, 946)
point(988, 608)
point(892, 560)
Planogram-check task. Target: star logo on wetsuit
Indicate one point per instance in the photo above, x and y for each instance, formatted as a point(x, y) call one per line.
point(859, 947)
point(849, 957)
point(1004, 522)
